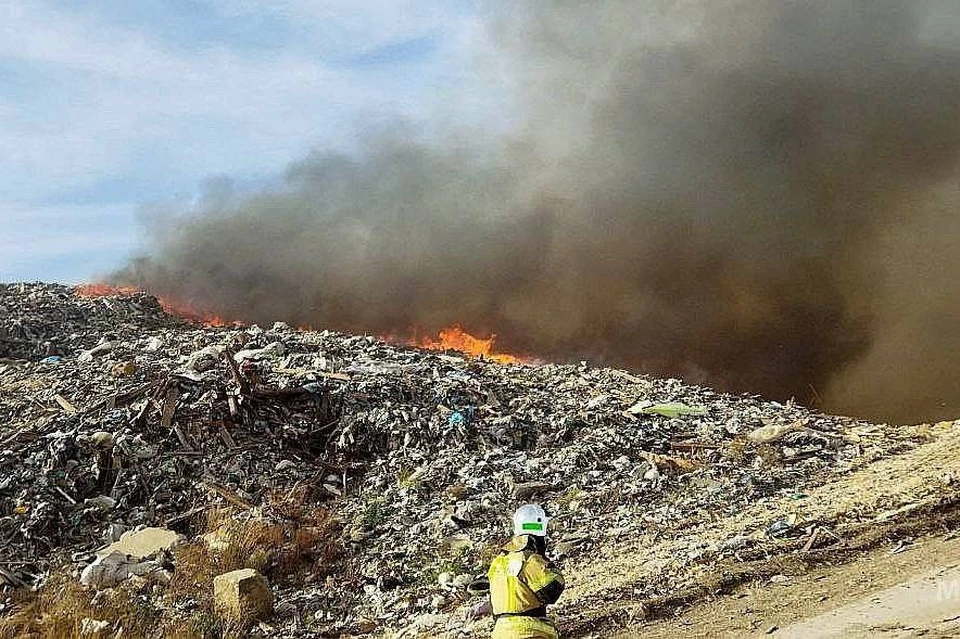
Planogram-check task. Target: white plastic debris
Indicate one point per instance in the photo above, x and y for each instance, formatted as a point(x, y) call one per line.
point(111, 569)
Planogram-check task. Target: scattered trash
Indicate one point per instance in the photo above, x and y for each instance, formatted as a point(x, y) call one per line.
point(111, 569)
point(93, 627)
point(780, 529)
point(122, 369)
point(902, 546)
point(672, 410)
point(147, 421)
point(772, 433)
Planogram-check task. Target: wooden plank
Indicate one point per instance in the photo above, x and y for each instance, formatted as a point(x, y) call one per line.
point(169, 406)
point(693, 446)
point(65, 404)
point(227, 438)
point(343, 377)
point(228, 495)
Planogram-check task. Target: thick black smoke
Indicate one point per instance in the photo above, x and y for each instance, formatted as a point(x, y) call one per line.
point(743, 193)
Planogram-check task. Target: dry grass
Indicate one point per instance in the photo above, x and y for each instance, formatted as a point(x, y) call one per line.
point(58, 610)
point(286, 552)
point(299, 543)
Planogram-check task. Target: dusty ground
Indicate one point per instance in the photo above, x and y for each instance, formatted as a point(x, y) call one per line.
point(907, 594)
point(909, 501)
point(871, 510)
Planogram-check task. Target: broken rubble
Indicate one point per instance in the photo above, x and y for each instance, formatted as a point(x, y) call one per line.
point(144, 543)
point(421, 455)
point(774, 432)
point(110, 569)
point(243, 595)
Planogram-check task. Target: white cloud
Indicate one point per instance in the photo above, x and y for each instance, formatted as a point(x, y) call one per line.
point(93, 236)
point(127, 90)
point(355, 26)
point(103, 102)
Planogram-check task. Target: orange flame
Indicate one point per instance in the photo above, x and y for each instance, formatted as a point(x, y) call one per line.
point(183, 310)
point(105, 290)
point(455, 338)
point(193, 313)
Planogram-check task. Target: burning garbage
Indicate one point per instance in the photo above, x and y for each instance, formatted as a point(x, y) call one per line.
point(369, 480)
point(457, 339)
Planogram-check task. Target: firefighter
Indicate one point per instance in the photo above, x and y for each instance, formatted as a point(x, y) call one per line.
point(523, 582)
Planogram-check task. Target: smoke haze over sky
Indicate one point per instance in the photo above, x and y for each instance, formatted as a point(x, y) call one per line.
point(755, 194)
point(723, 191)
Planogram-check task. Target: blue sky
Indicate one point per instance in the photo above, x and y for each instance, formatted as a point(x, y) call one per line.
point(107, 106)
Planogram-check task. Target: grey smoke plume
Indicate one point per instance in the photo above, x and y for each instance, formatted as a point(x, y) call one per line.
point(745, 193)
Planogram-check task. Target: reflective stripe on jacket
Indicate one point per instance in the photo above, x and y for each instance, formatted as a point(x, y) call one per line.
point(523, 628)
point(516, 578)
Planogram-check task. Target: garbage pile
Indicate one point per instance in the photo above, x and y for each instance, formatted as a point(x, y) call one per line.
point(48, 320)
point(115, 415)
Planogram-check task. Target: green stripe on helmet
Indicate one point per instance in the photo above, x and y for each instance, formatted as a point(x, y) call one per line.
point(532, 527)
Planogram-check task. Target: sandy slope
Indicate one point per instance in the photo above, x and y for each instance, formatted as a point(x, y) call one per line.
point(911, 593)
point(873, 508)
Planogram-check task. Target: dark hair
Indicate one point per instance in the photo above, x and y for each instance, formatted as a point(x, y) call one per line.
point(539, 544)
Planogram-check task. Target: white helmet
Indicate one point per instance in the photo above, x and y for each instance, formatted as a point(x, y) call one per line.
point(530, 520)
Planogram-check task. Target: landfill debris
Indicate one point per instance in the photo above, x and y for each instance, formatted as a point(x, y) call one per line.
point(146, 420)
point(672, 409)
point(774, 432)
point(94, 627)
point(242, 595)
point(112, 568)
point(144, 543)
point(902, 546)
point(781, 528)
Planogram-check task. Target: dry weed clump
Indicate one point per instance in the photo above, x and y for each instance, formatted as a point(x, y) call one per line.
point(59, 609)
point(296, 543)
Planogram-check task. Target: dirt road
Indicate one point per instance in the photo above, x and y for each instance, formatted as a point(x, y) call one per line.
point(928, 606)
point(912, 592)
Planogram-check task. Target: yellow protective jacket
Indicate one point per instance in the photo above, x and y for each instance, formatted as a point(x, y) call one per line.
point(522, 584)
